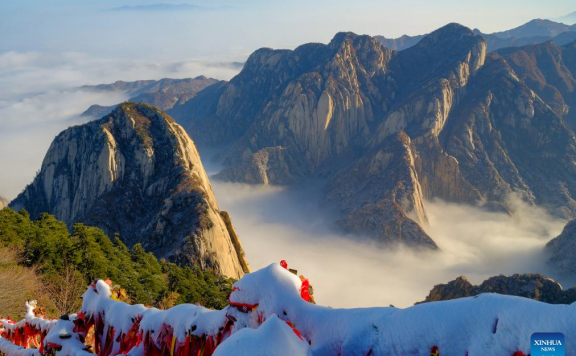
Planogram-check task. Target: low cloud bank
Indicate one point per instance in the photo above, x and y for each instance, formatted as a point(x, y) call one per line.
point(39, 97)
point(285, 223)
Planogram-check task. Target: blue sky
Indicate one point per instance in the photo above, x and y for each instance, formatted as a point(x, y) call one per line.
point(86, 25)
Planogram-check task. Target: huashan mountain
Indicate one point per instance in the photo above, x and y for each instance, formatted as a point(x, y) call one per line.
point(387, 129)
point(137, 173)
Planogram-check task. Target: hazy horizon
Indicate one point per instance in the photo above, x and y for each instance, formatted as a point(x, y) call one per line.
point(233, 29)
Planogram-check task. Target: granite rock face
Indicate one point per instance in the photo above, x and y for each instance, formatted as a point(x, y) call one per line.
point(388, 130)
point(542, 67)
point(137, 173)
point(532, 286)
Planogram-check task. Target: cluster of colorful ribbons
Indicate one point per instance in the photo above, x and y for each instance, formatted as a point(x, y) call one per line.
point(275, 294)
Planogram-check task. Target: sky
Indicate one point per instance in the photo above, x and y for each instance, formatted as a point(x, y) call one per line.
point(233, 29)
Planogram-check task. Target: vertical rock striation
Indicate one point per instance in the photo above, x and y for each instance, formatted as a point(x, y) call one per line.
point(441, 119)
point(137, 173)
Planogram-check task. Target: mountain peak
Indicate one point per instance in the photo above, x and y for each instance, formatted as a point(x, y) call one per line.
point(441, 53)
point(342, 37)
point(452, 33)
point(137, 173)
point(353, 38)
point(454, 27)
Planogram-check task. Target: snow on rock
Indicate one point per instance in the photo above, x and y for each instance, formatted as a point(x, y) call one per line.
point(273, 338)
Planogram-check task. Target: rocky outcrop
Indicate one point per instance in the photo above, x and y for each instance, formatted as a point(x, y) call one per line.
point(562, 250)
point(164, 93)
point(270, 164)
point(137, 173)
point(387, 130)
point(532, 286)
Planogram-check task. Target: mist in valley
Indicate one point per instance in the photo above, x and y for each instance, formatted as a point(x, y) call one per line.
point(276, 223)
point(41, 95)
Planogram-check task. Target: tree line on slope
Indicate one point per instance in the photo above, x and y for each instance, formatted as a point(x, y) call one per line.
point(42, 259)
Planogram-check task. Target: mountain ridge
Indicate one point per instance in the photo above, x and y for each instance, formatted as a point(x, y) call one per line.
point(468, 129)
point(164, 93)
point(532, 32)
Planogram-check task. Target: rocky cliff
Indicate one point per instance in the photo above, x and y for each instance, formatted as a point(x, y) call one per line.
point(388, 130)
point(137, 173)
point(542, 67)
point(532, 286)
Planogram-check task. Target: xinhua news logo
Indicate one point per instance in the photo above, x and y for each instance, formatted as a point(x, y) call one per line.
point(547, 344)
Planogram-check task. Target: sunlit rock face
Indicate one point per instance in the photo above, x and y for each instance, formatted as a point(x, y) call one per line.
point(137, 173)
point(442, 119)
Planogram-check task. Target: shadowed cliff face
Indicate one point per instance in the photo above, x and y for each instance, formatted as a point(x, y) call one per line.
point(136, 172)
point(562, 250)
point(442, 119)
point(530, 285)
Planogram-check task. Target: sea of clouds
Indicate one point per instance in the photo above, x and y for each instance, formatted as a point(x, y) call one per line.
point(40, 96)
point(276, 223)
